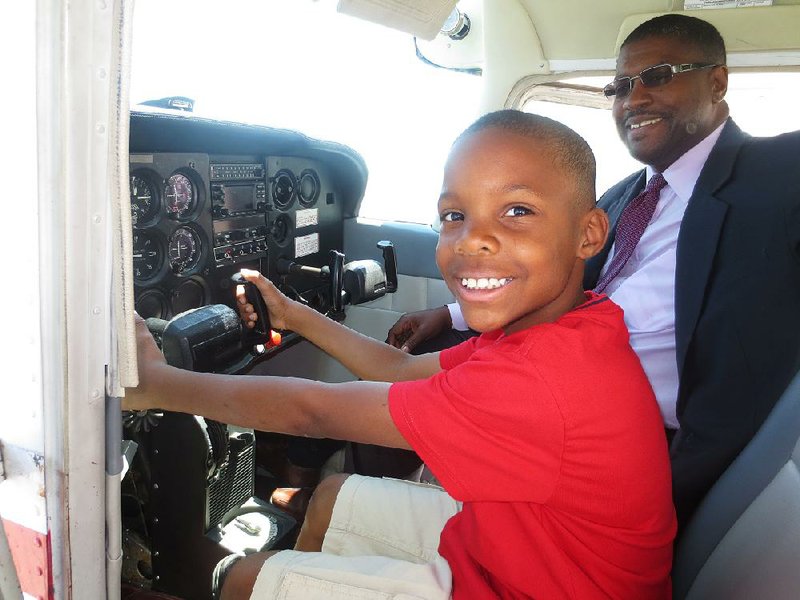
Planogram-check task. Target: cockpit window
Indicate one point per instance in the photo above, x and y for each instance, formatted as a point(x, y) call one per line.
point(300, 65)
point(762, 104)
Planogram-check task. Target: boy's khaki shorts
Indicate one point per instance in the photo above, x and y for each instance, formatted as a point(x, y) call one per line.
point(382, 543)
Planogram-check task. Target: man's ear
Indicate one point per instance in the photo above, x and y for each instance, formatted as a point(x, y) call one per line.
point(719, 83)
point(594, 232)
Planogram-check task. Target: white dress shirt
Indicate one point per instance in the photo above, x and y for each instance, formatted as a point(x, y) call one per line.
point(645, 287)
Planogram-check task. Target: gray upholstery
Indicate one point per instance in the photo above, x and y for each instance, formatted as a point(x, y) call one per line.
point(744, 540)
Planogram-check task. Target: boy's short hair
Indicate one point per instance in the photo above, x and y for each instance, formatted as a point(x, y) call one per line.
point(692, 31)
point(569, 151)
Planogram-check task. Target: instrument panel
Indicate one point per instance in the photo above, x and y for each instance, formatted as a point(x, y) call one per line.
point(197, 218)
point(171, 223)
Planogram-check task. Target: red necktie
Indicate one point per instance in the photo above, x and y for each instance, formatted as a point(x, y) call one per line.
point(630, 227)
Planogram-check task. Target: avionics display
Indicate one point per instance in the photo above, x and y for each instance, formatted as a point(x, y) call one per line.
point(239, 198)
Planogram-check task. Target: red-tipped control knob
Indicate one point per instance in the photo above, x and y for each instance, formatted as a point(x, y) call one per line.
point(274, 338)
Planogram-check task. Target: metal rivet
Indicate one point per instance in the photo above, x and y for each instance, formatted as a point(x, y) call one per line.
point(96, 310)
point(101, 73)
point(97, 219)
point(100, 128)
point(38, 542)
point(95, 393)
point(155, 486)
point(155, 520)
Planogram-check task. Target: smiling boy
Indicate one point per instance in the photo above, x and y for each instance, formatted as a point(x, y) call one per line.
point(543, 431)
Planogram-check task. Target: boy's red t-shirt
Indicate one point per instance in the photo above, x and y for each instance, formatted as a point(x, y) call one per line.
point(553, 440)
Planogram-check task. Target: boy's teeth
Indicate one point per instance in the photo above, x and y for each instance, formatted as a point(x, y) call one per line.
point(643, 123)
point(483, 283)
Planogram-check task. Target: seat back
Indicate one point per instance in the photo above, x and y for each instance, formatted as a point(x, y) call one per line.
point(744, 540)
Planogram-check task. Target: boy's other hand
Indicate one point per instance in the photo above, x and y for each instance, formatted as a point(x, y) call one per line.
point(277, 303)
point(415, 327)
point(151, 365)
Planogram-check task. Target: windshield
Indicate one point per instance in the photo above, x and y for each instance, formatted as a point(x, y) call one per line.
point(300, 65)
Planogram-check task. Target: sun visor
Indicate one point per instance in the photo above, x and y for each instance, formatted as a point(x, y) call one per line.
point(746, 29)
point(422, 18)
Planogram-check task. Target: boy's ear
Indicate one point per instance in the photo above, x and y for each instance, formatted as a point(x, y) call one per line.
point(594, 233)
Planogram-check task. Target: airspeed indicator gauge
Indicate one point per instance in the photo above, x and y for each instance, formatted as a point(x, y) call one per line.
point(144, 200)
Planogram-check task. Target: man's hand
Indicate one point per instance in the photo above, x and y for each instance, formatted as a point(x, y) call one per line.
point(277, 303)
point(152, 366)
point(416, 327)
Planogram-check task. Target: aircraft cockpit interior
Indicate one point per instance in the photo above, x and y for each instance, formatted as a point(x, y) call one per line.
point(209, 198)
point(160, 148)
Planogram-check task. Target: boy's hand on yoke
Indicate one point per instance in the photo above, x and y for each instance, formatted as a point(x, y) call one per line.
point(152, 368)
point(415, 327)
point(277, 304)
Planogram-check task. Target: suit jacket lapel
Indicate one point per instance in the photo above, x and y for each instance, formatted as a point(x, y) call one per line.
point(595, 264)
point(699, 235)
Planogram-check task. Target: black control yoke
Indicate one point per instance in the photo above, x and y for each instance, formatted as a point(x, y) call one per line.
point(212, 339)
point(260, 334)
point(389, 264)
point(355, 282)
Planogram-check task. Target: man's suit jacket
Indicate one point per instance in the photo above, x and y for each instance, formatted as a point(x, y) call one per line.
point(737, 300)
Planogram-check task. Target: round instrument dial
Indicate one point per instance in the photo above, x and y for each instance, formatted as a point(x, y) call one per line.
point(183, 250)
point(309, 187)
point(188, 295)
point(148, 256)
point(152, 303)
point(281, 230)
point(144, 200)
point(284, 188)
point(180, 196)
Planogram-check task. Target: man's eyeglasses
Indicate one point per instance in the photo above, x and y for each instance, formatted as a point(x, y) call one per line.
point(650, 77)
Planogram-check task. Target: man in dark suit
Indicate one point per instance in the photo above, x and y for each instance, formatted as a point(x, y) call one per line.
point(711, 288)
